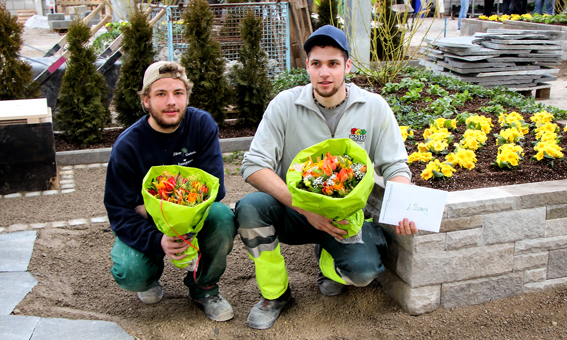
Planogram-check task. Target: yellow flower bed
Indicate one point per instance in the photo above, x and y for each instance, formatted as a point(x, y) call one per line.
point(477, 122)
point(463, 158)
point(438, 170)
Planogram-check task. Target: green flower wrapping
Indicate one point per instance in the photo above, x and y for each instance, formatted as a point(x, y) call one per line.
point(348, 207)
point(173, 219)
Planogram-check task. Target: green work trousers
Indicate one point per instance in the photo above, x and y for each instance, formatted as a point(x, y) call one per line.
point(137, 272)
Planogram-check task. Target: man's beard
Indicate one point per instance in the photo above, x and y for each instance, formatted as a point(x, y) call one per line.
point(161, 122)
point(331, 93)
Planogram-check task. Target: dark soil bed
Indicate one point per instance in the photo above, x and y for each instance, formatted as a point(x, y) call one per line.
point(482, 176)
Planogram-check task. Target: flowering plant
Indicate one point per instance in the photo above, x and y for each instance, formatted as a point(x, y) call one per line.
point(511, 135)
point(421, 157)
point(476, 122)
point(462, 157)
point(176, 189)
point(174, 204)
point(438, 170)
point(473, 139)
point(509, 156)
point(542, 117)
point(407, 132)
point(548, 149)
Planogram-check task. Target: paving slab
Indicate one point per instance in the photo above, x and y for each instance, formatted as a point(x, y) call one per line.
point(514, 37)
point(521, 47)
point(549, 33)
point(62, 329)
point(477, 65)
point(471, 57)
point(17, 327)
point(522, 72)
point(16, 250)
point(524, 42)
point(14, 286)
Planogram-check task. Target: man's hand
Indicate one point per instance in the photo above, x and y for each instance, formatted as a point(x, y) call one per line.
point(141, 209)
point(406, 227)
point(324, 224)
point(174, 246)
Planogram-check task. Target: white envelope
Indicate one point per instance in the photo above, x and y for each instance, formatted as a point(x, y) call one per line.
point(424, 206)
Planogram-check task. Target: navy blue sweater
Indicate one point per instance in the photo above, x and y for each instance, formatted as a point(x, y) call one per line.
point(194, 144)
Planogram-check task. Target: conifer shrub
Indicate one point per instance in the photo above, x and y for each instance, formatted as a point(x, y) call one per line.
point(327, 11)
point(138, 54)
point(16, 77)
point(204, 62)
point(83, 108)
point(252, 87)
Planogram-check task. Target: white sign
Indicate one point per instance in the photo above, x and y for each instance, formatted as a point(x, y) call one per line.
point(424, 206)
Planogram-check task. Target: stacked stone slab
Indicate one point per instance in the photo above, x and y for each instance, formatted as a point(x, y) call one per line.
point(517, 59)
point(493, 243)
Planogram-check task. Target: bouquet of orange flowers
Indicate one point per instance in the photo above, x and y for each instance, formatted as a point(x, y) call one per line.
point(179, 203)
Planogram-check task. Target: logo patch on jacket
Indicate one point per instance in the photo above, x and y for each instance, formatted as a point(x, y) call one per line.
point(357, 135)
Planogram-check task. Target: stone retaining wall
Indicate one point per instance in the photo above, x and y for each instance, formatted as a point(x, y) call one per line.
point(493, 243)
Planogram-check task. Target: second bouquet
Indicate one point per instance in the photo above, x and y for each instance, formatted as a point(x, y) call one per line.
point(334, 179)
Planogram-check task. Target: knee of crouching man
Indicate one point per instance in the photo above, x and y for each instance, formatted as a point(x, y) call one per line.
point(360, 274)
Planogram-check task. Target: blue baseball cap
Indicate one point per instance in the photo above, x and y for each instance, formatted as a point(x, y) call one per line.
point(327, 31)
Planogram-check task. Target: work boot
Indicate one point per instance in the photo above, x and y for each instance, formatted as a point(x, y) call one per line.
point(216, 307)
point(266, 312)
point(327, 286)
point(152, 295)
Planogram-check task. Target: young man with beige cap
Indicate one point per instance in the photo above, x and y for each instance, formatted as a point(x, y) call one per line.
point(171, 134)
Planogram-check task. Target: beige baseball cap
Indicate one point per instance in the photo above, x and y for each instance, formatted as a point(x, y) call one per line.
point(153, 73)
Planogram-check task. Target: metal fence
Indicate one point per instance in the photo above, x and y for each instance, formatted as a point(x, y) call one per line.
point(170, 44)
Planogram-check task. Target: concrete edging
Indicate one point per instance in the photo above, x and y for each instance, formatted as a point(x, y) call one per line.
point(90, 156)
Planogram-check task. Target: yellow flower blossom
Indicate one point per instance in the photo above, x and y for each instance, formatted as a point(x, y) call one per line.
point(421, 157)
point(473, 139)
point(507, 119)
point(463, 158)
point(437, 145)
point(445, 123)
point(511, 135)
point(542, 117)
point(432, 129)
point(515, 17)
point(526, 16)
point(437, 169)
point(406, 132)
point(483, 17)
point(479, 123)
point(493, 17)
point(548, 137)
point(504, 17)
point(509, 156)
point(549, 149)
point(421, 148)
point(545, 128)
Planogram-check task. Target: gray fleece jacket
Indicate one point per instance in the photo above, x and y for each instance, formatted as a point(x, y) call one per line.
point(293, 122)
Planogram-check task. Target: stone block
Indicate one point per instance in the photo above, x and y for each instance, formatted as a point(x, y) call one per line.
point(234, 144)
point(530, 261)
point(93, 166)
point(33, 194)
point(55, 16)
point(535, 275)
point(16, 251)
point(100, 219)
point(14, 195)
point(17, 227)
point(80, 166)
point(49, 192)
point(547, 284)
point(422, 243)
point(59, 224)
point(14, 287)
point(474, 292)
point(538, 194)
point(83, 156)
point(59, 25)
point(464, 223)
point(77, 9)
point(478, 201)
point(463, 239)
point(557, 264)
point(17, 326)
point(420, 270)
point(556, 211)
point(38, 225)
point(415, 301)
point(510, 226)
point(556, 227)
point(48, 328)
point(67, 191)
point(540, 245)
point(79, 221)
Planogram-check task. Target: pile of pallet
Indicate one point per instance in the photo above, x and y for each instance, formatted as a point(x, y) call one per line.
point(518, 59)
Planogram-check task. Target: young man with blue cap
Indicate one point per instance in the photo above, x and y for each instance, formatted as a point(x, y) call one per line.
point(296, 119)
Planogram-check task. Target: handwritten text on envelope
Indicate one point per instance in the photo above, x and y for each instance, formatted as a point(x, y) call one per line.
point(424, 206)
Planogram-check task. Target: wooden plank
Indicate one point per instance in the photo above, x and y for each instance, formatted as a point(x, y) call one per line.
point(24, 15)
